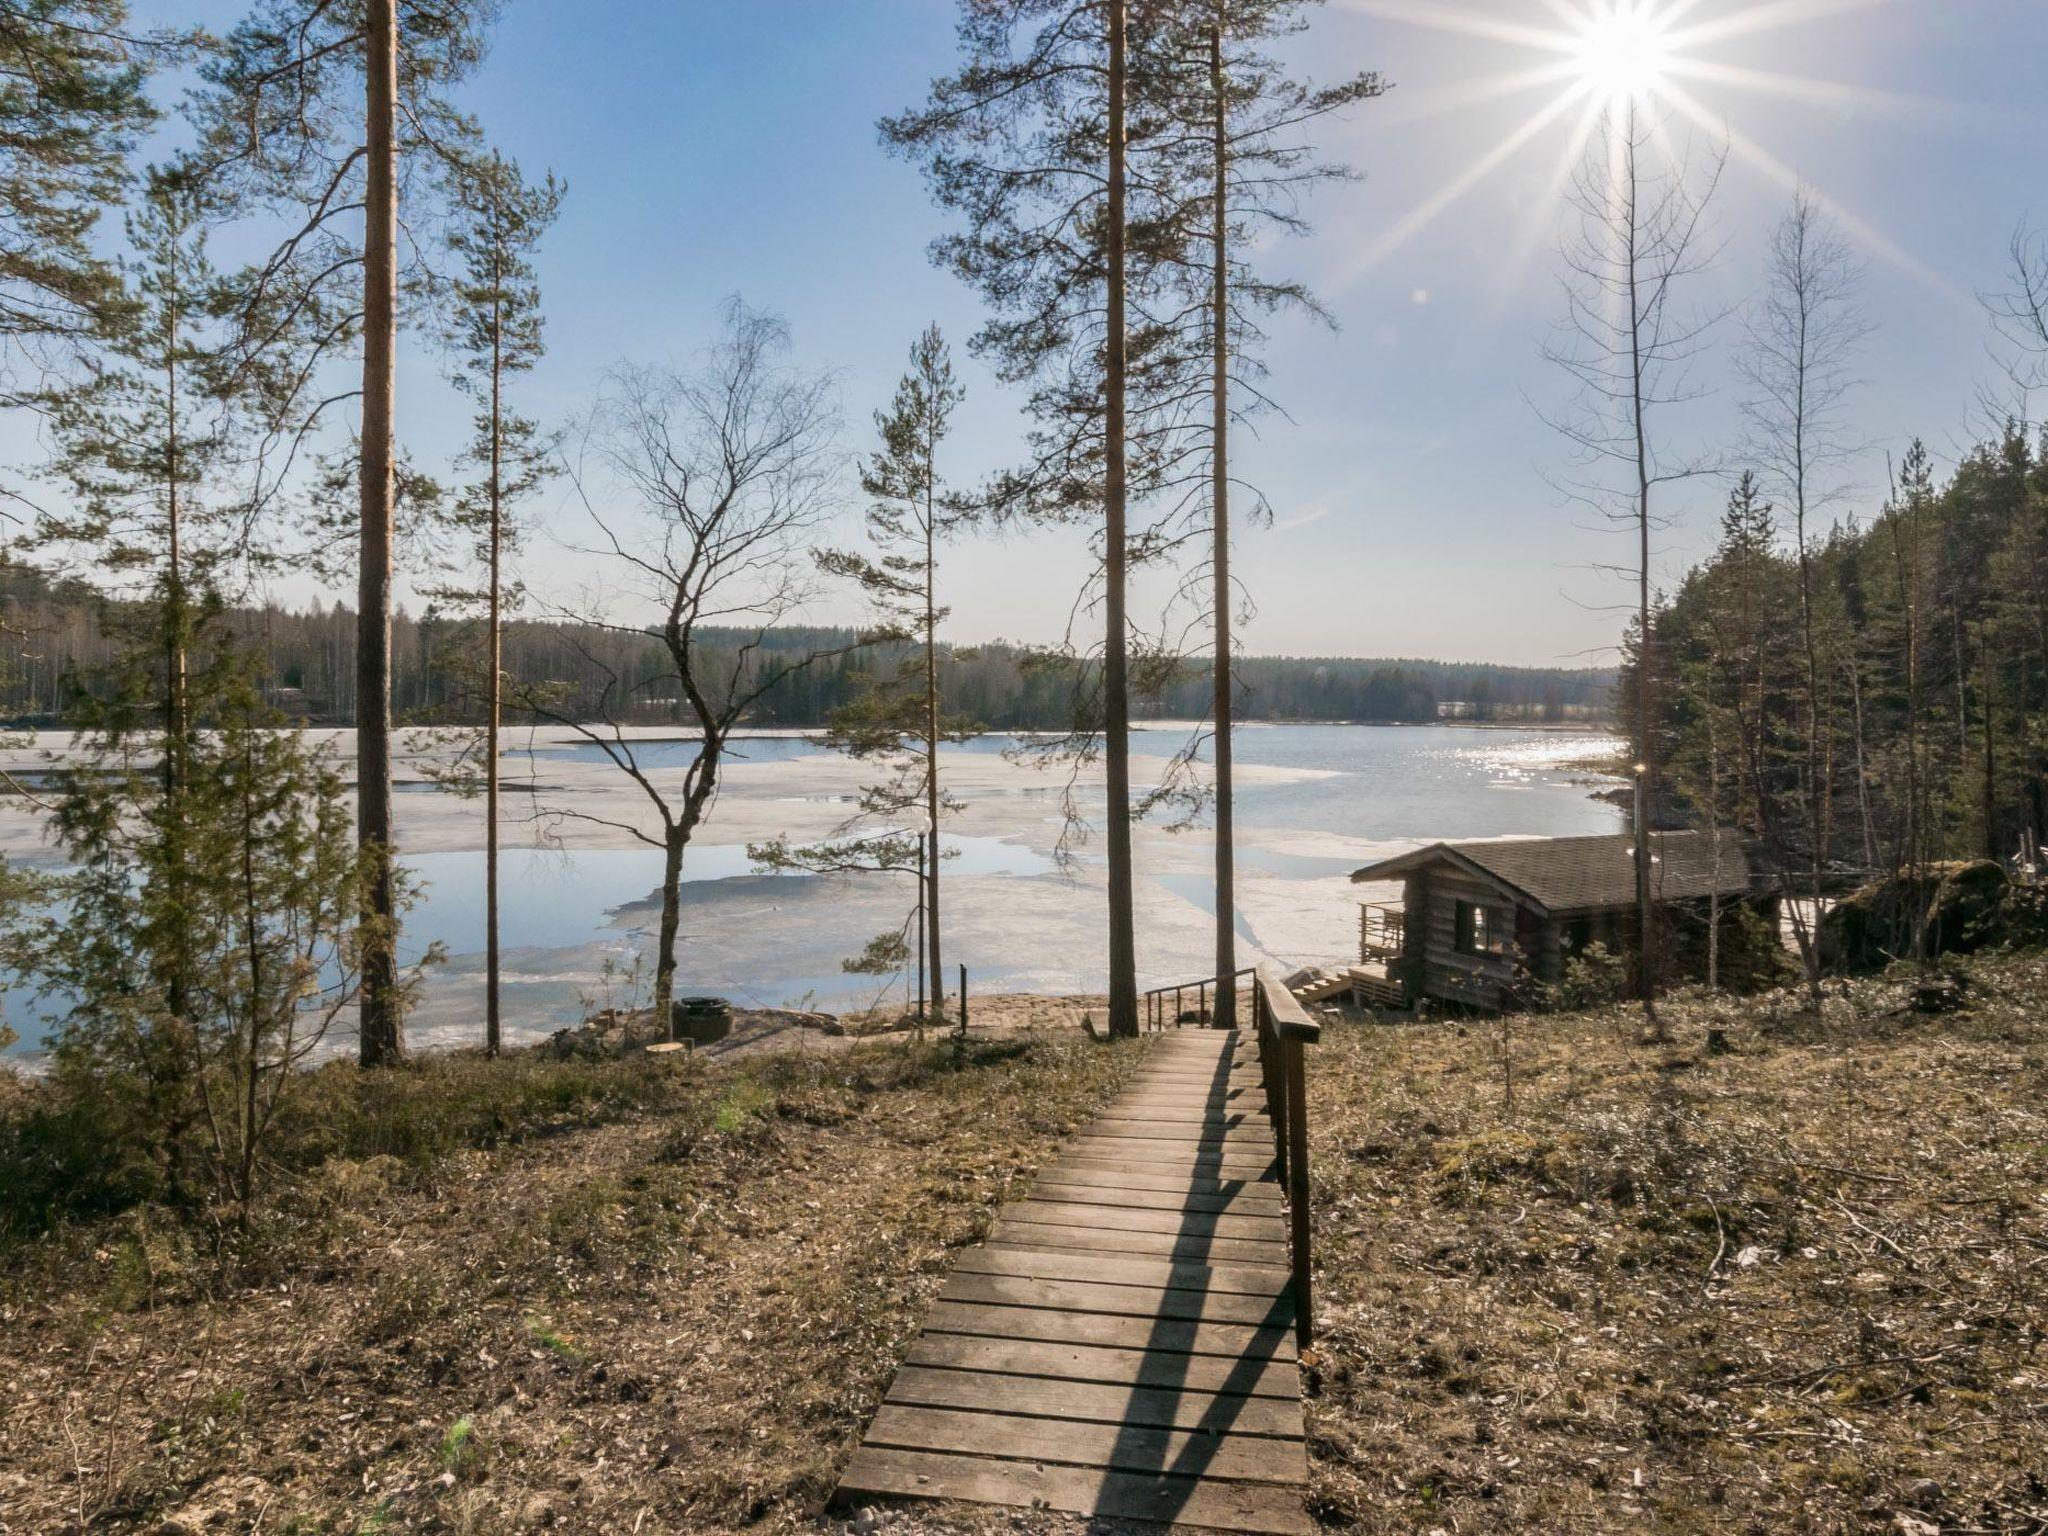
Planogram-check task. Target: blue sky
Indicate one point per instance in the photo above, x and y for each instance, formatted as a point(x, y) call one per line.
point(720, 148)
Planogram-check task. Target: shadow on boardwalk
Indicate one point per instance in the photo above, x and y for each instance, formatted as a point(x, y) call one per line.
point(1122, 1346)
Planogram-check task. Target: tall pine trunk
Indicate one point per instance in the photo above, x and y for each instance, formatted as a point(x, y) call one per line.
point(1116, 723)
point(931, 725)
point(1645, 764)
point(494, 662)
point(1992, 850)
point(1221, 665)
point(383, 1029)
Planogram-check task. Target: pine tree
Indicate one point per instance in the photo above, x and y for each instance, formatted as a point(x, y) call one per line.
point(911, 513)
point(1032, 140)
point(495, 330)
point(72, 100)
point(320, 112)
point(1243, 113)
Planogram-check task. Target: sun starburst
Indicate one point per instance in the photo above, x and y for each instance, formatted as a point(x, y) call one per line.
point(1597, 56)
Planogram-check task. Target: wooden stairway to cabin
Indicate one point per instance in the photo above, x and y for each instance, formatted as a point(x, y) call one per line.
point(1123, 1345)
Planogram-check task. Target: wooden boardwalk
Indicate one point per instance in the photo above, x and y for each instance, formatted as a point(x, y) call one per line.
point(1123, 1344)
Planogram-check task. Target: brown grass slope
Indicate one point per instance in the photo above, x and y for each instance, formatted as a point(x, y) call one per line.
point(679, 1321)
point(1801, 1286)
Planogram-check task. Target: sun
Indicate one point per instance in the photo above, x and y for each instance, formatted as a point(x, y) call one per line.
point(1624, 51)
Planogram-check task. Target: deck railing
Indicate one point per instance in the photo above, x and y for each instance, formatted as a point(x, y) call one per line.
point(1382, 931)
point(1281, 1027)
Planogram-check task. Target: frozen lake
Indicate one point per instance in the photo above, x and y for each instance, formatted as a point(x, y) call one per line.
point(1314, 803)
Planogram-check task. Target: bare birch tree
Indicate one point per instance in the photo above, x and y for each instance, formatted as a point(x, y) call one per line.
point(1802, 341)
point(729, 467)
point(1626, 341)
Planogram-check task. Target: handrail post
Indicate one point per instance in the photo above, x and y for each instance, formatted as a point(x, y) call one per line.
point(1276, 1086)
point(1296, 1173)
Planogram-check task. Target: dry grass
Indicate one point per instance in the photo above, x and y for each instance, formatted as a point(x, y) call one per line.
point(1801, 1286)
point(678, 1321)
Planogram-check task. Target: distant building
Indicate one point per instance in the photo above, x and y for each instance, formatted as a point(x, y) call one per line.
point(1456, 709)
point(1479, 923)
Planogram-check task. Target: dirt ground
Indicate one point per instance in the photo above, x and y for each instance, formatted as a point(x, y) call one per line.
point(1566, 1282)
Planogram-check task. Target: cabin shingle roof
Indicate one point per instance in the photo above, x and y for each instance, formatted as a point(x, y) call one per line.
point(1581, 874)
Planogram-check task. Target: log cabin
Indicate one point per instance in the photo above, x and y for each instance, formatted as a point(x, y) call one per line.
point(1478, 923)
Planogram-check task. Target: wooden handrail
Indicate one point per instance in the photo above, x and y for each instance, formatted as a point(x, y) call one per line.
point(1284, 1027)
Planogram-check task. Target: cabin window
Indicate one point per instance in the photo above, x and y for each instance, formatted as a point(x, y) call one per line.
point(1484, 930)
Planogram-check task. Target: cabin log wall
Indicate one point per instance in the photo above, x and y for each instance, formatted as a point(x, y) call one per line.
point(1480, 981)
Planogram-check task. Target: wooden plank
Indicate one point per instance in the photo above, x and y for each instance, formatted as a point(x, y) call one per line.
point(1250, 1154)
point(1068, 1442)
point(1134, 1166)
point(1190, 1114)
point(1073, 1188)
point(1203, 1133)
point(1049, 1208)
point(1217, 1505)
point(1055, 1326)
point(1247, 1376)
point(1159, 1245)
point(1095, 1401)
point(1176, 1112)
point(1152, 1180)
point(1041, 1264)
point(1108, 1299)
point(1187, 1163)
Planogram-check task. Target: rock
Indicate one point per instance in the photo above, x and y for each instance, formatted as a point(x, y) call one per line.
point(1925, 1493)
point(1909, 1525)
point(1944, 994)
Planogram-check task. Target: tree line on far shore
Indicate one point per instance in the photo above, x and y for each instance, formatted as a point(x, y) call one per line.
point(308, 660)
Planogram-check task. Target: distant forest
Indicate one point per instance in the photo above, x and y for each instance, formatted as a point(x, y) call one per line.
point(65, 635)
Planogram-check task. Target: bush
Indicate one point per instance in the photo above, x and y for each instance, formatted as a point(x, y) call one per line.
point(68, 1149)
point(1593, 978)
point(1959, 905)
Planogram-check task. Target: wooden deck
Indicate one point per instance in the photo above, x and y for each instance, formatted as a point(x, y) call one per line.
point(1123, 1344)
